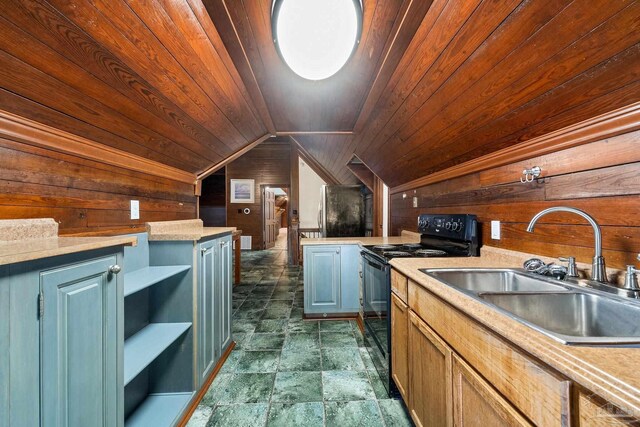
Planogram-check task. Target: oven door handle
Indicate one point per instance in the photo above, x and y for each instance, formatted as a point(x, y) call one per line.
point(374, 263)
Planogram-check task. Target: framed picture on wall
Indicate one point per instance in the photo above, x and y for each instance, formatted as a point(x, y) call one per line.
point(242, 190)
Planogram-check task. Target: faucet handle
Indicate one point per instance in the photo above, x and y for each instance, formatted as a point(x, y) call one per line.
point(630, 279)
point(533, 264)
point(572, 270)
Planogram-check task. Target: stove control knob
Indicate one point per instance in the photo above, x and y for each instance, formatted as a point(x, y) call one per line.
point(448, 225)
point(454, 226)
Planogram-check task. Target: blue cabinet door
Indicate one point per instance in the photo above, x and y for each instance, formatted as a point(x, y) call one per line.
point(322, 279)
point(79, 345)
point(207, 272)
point(225, 287)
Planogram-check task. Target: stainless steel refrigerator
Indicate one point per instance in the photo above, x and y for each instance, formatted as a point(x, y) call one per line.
point(341, 211)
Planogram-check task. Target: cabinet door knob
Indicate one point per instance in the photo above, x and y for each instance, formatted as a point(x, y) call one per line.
point(115, 269)
point(337, 251)
point(203, 250)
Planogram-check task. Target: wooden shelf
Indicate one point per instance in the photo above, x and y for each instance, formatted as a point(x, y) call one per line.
point(159, 410)
point(142, 348)
point(143, 278)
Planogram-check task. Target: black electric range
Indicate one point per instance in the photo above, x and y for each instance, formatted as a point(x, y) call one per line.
point(447, 235)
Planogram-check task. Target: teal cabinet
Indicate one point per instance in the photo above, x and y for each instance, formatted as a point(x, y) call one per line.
point(331, 279)
point(322, 279)
point(206, 311)
point(19, 346)
point(79, 342)
point(226, 289)
point(214, 303)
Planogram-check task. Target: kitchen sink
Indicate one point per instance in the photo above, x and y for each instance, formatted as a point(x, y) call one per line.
point(573, 318)
point(565, 311)
point(494, 280)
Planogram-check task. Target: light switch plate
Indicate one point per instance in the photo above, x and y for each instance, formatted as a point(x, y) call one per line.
point(415, 202)
point(135, 209)
point(495, 230)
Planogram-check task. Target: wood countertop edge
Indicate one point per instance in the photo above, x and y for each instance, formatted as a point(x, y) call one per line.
point(569, 361)
point(63, 246)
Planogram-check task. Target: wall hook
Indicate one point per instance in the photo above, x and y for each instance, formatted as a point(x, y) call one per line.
point(528, 175)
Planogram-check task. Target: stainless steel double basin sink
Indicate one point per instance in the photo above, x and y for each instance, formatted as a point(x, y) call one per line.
point(562, 310)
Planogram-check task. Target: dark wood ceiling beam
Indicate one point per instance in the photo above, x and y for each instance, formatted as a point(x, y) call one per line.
point(213, 168)
point(322, 172)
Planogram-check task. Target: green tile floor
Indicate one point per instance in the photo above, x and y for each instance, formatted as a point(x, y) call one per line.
point(286, 371)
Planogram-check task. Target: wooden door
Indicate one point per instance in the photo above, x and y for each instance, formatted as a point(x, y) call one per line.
point(476, 403)
point(399, 345)
point(430, 379)
point(206, 311)
point(225, 289)
point(322, 279)
point(269, 214)
point(80, 345)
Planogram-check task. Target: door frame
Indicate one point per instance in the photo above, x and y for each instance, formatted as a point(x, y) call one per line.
point(262, 188)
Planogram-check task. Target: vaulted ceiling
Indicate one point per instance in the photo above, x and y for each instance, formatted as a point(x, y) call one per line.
point(188, 83)
point(437, 83)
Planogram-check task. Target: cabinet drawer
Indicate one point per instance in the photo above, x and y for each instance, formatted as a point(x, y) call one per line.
point(399, 285)
point(539, 394)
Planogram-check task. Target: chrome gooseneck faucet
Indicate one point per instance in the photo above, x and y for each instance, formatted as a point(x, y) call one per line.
point(598, 270)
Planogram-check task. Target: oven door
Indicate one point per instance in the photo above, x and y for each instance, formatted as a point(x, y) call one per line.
point(376, 299)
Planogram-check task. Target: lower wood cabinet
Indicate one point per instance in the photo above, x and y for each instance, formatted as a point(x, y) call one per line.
point(429, 376)
point(399, 347)
point(476, 403)
point(593, 411)
point(79, 345)
point(451, 370)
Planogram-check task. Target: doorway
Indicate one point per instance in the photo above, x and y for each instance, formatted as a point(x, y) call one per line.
point(275, 200)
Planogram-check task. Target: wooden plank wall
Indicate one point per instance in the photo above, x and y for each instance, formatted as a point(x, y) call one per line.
point(85, 197)
point(602, 178)
point(267, 164)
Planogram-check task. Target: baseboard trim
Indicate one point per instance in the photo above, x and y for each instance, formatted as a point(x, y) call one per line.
point(335, 316)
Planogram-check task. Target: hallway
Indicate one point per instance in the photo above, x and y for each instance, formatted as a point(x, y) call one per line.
point(286, 371)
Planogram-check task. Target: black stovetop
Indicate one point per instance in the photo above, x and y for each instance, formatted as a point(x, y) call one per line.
point(445, 235)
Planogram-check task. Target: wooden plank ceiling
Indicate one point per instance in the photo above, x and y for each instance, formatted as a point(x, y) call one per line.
point(151, 78)
point(432, 84)
point(444, 85)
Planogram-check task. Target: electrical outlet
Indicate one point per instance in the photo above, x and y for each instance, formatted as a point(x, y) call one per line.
point(495, 230)
point(135, 209)
point(415, 202)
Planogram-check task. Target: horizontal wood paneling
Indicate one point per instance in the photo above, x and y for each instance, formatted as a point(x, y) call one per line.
point(85, 196)
point(267, 164)
point(601, 178)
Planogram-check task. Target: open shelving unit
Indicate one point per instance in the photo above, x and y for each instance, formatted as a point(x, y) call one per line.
point(148, 276)
point(158, 332)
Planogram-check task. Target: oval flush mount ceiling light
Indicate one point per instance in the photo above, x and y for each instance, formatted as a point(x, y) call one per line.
point(316, 38)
